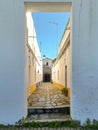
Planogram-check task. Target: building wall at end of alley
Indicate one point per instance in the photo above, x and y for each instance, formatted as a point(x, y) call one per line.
point(47, 66)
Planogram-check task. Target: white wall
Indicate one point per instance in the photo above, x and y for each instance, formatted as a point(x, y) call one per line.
point(84, 55)
point(63, 59)
point(49, 61)
point(65, 36)
point(58, 69)
point(12, 61)
point(30, 49)
point(34, 58)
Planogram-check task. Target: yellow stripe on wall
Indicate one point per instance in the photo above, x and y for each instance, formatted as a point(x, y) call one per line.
point(58, 85)
point(68, 92)
point(61, 86)
point(31, 89)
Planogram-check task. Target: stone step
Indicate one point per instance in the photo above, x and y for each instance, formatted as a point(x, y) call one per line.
point(48, 117)
point(65, 110)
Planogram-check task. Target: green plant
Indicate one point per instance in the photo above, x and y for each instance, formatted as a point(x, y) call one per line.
point(53, 124)
point(65, 91)
point(51, 81)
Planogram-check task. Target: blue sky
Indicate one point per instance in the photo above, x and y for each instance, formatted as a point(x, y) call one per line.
point(47, 32)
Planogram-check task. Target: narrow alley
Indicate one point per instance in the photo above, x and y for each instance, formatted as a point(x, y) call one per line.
point(45, 99)
point(48, 96)
point(47, 103)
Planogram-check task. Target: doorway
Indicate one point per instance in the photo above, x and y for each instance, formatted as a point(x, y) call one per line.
point(51, 7)
point(46, 77)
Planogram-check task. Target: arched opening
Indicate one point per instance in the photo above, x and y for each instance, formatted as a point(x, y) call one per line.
point(46, 77)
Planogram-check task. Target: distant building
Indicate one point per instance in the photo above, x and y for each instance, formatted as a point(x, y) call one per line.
point(47, 65)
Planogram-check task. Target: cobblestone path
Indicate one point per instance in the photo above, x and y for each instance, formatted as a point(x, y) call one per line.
point(48, 96)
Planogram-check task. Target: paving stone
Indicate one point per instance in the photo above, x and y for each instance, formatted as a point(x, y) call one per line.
point(54, 116)
point(39, 104)
point(48, 98)
point(34, 117)
point(31, 111)
point(43, 116)
point(47, 102)
point(40, 111)
point(56, 96)
point(47, 95)
point(48, 105)
point(42, 99)
point(59, 104)
point(53, 104)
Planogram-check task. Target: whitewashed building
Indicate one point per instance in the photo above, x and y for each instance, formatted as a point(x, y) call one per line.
point(47, 69)
point(61, 65)
point(34, 60)
point(83, 55)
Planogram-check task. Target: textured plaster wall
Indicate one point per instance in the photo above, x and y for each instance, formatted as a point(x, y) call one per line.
point(84, 63)
point(84, 55)
point(34, 61)
point(12, 61)
point(58, 69)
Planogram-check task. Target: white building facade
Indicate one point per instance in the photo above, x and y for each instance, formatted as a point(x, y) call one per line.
point(61, 65)
point(34, 60)
point(47, 69)
point(84, 53)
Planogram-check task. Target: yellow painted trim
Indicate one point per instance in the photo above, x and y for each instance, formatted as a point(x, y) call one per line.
point(60, 86)
point(68, 92)
point(31, 89)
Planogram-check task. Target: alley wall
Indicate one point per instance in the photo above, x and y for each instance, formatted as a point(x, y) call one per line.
point(34, 58)
point(61, 65)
